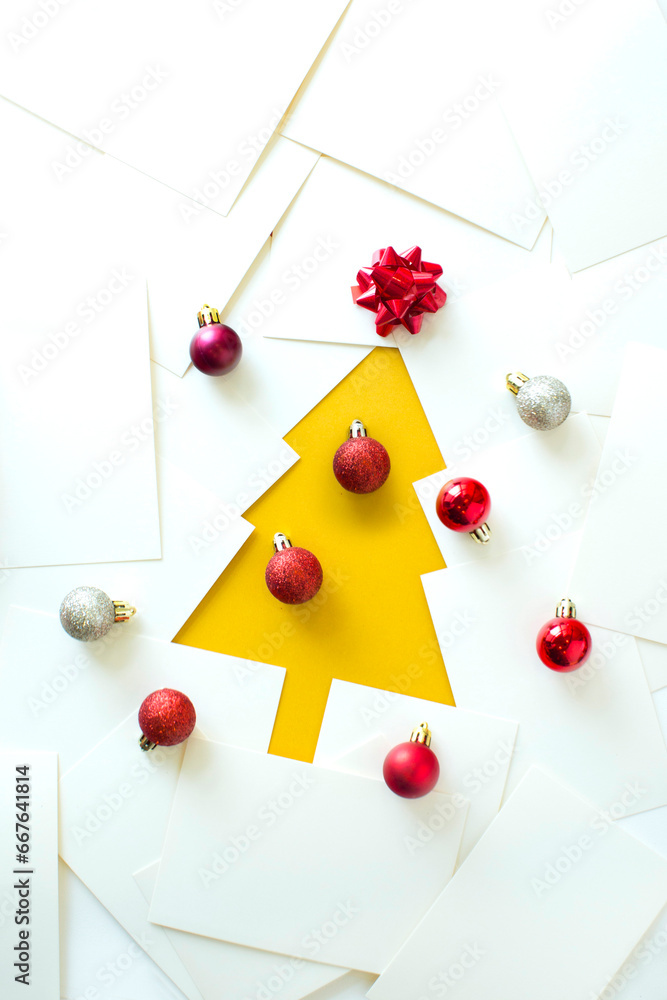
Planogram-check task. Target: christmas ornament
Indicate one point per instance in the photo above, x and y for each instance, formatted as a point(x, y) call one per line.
point(361, 464)
point(87, 613)
point(293, 575)
point(463, 504)
point(215, 349)
point(412, 769)
point(166, 717)
point(543, 402)
point(564, 643)
point(399, 289)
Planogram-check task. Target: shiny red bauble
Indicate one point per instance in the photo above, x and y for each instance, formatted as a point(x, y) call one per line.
point(563, 644)
point(215, 349)
point(293, 575)
point(361, 464)
point(463, 504)
point(411, 769)
point(166, 717)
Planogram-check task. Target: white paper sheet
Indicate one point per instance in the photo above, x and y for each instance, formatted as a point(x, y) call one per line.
point(600, 425)
point(108, 795)
point(29, 945)
point(620, 570)
point(601, 713)
point(52, 680)
point(540, 322)
point(190, 97)
point(548, 879)
point(114, 805)
point(540, 486)
point(77, 472)
point(137, 228)
point(213, 435)
point(584, 96)
point(339, 219)
point(229, 970)
point(204, 257)
point(265, 835)
point(200, 537)
point(98, 958)
point(474, 751)
point(643, 973)
point(654, 658)
point(437, 132)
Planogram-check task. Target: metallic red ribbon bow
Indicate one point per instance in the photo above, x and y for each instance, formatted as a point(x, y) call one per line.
point(399, 289)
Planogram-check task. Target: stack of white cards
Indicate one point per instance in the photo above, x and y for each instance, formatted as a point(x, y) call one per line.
point(255, 155)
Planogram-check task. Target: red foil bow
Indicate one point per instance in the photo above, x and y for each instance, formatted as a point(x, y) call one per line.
point(399, 289)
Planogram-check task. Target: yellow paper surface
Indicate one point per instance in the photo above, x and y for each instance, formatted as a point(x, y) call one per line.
point(370, 622)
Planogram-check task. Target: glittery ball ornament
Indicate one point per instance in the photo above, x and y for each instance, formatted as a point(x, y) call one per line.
point(543, 402)
point(293, 575)
point(411, 769)
point(87, 613)
point(399, 289)
point(463, 504)
point(564, 643)
point(215, 349)
point(361, 464)
point(166, 717)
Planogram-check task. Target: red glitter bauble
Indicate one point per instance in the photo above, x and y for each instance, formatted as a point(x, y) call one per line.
point(361, 465)
point(167, 717)
point(463, 504)
point(294, 575)
point(411, 770)
point(563, 644)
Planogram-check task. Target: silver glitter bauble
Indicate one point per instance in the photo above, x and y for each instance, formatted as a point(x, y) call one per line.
point(87, 613)
point(543, 402)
